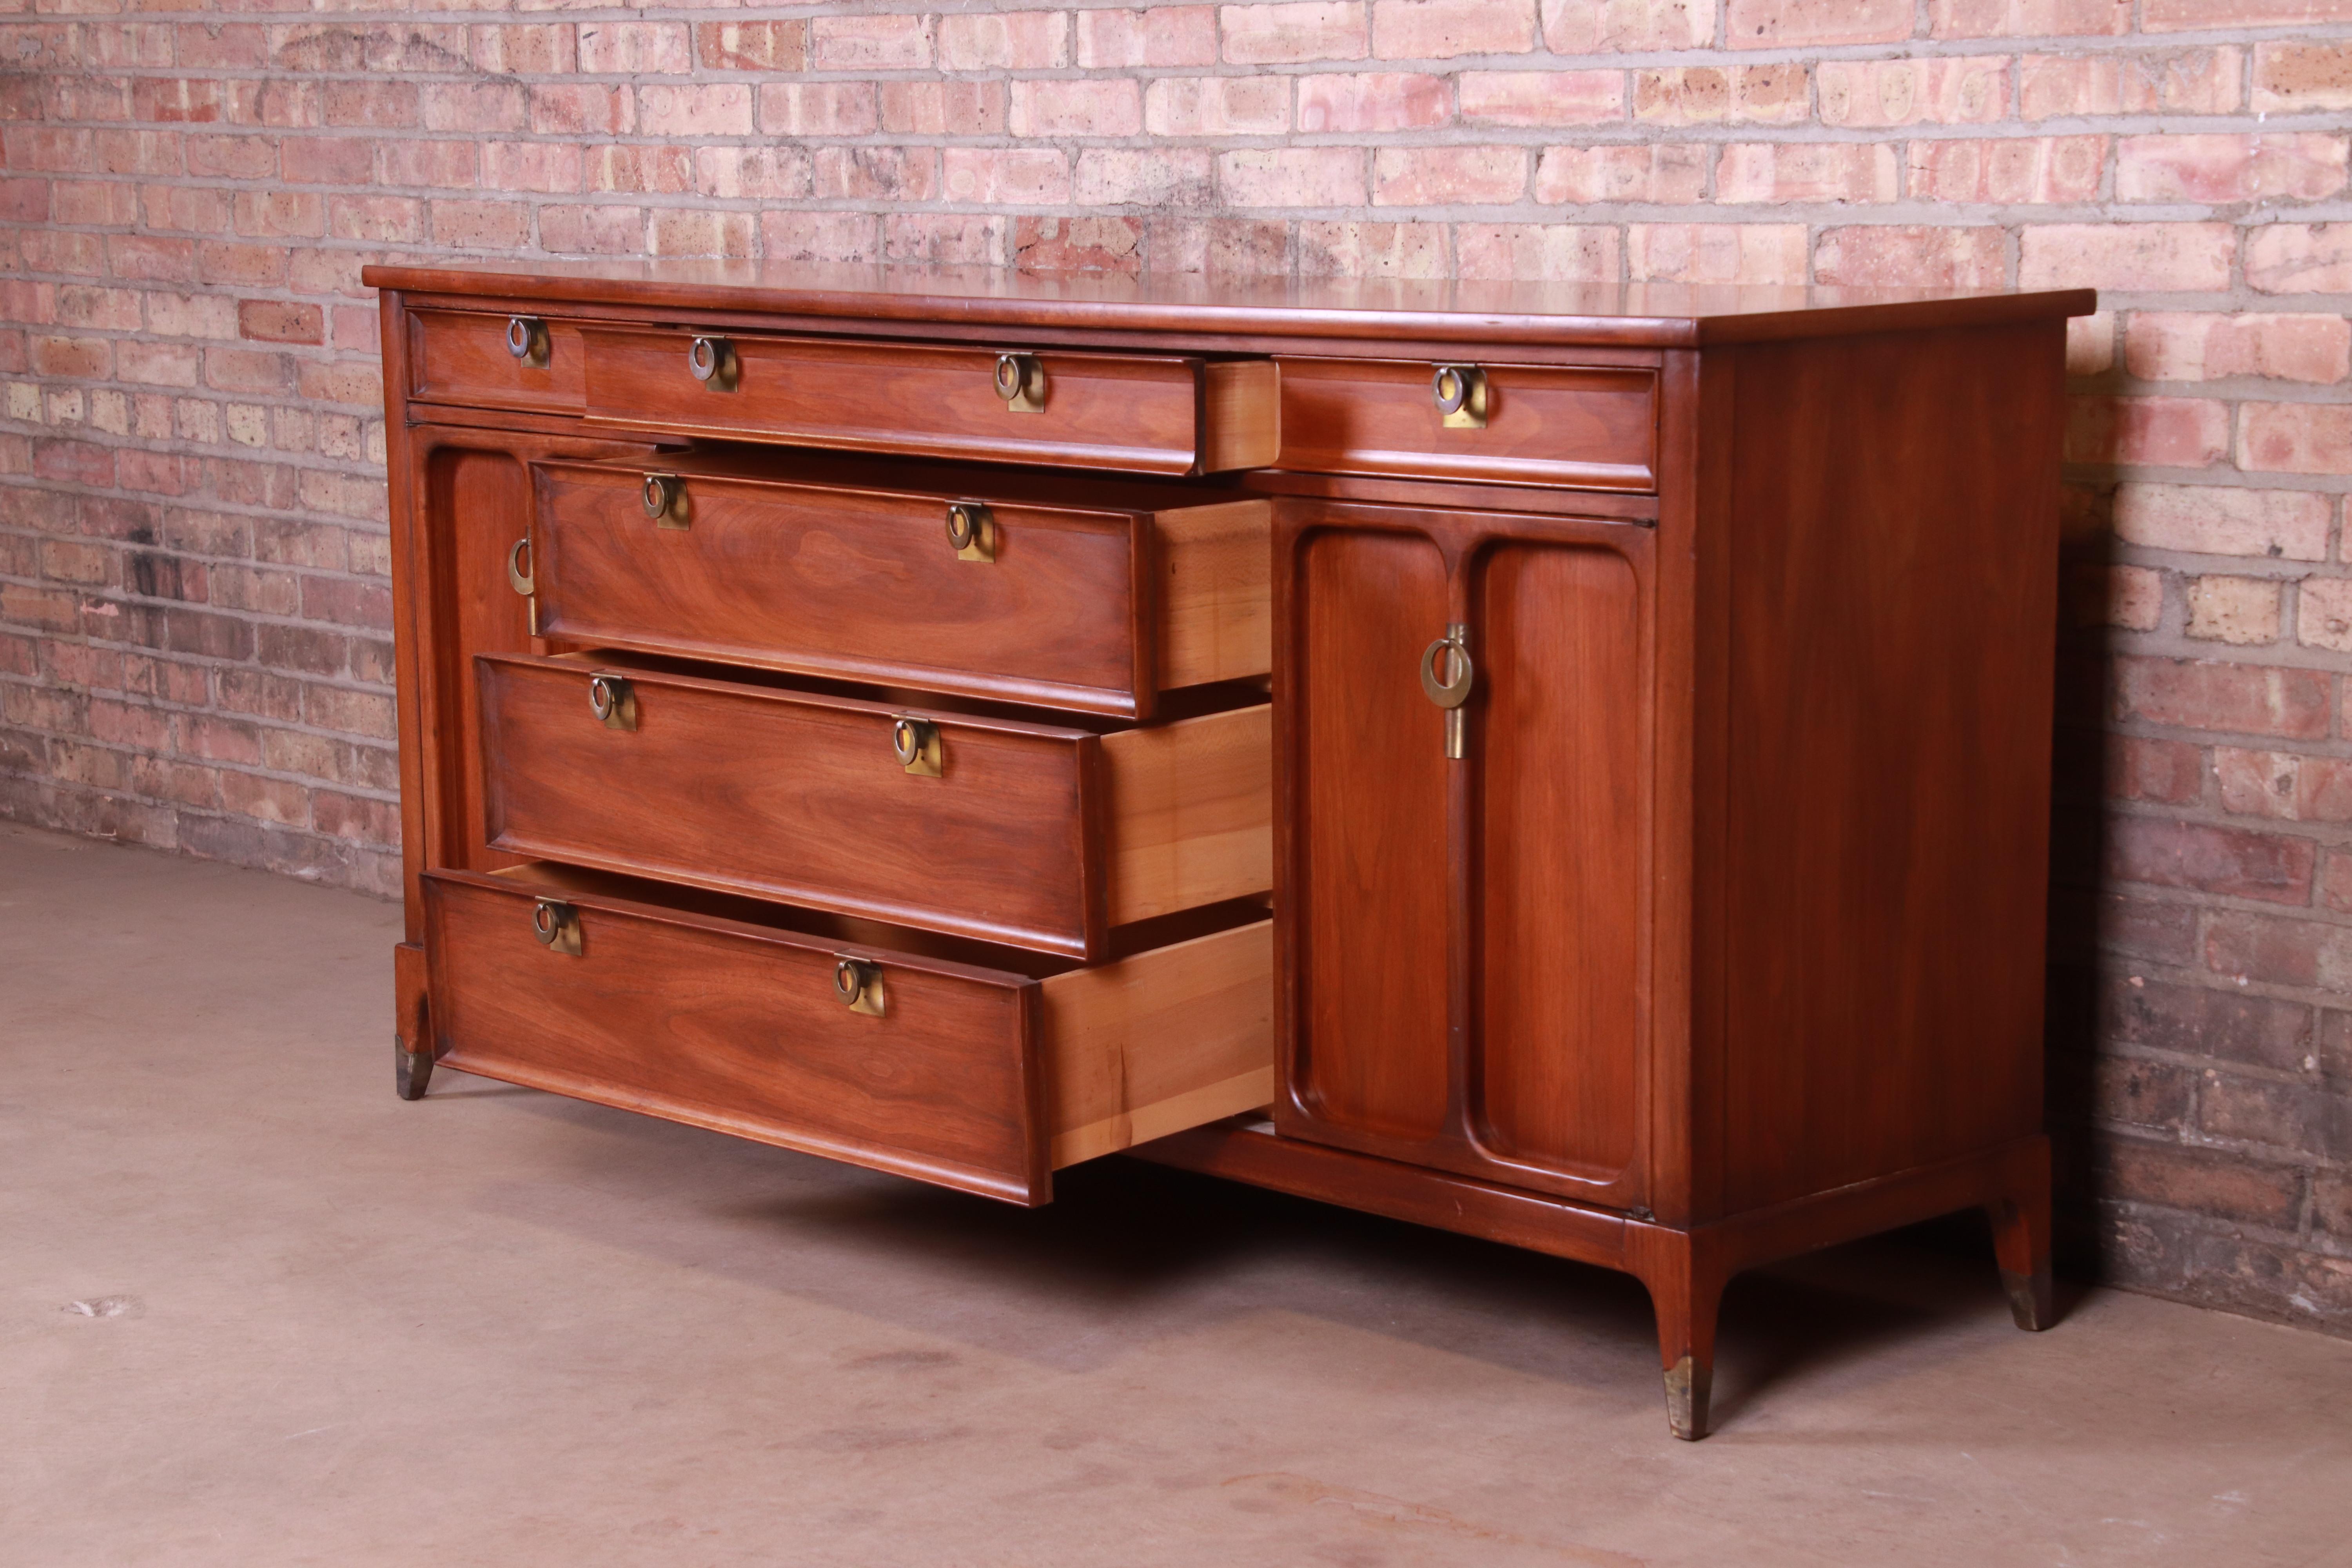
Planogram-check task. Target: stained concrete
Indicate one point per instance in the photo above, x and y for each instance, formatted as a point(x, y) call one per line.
point(254, 1310)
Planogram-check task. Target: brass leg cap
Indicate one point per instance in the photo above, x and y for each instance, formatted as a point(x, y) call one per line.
point(2031, 1300)
point(1688, 1385)
point(411, 1070)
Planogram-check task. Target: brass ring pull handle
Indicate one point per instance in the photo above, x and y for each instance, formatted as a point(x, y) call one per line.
point(520, 581)
point(916, 743)
point(1460, 390)
point(527, 341)
point(857, 986)
point(614, 700)
point(557, 926)
point(665, 499)
point(712, 361)
point(1021, 382)
point(971, 530)
point(1452, 689)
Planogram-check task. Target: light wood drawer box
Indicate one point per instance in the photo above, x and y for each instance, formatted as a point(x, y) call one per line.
point(984, 1078)
point(1034, 836)
point(1587, 427)
point(1093, 606)
point(466, 357)
point(1136, 413)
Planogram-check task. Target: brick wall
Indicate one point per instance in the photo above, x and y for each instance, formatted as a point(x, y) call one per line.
point(193, 610)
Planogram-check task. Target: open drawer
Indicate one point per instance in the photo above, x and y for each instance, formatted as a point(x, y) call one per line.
point(935, 815)
point(1061, 590)
point(874, 1051)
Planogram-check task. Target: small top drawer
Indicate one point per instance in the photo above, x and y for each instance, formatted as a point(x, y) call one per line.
point(1076, 594)
point(1587, 428)
point(483, 361)
point(1136, 413)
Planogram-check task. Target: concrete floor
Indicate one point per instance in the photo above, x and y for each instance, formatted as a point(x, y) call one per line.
point(255, 1310)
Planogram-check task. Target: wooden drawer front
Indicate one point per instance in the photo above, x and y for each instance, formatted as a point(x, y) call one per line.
point(462, 356)
point(1593, 428)
point(1131, 412)
point(1091, 609)
point(1031, 834)
point(973, 1077)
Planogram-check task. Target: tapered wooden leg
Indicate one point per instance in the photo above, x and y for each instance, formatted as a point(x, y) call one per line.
point(1685, 1285)
point(412, 1070)
point(2021, 1240)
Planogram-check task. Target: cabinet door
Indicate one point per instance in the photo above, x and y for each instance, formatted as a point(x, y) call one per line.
point(1467, 936)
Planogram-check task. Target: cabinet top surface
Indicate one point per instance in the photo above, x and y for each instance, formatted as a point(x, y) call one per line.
point(1652, 315)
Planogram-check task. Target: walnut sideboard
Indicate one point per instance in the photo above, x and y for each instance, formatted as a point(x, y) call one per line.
point(1565, 765)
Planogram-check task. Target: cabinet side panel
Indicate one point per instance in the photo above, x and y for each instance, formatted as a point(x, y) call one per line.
point(1558, 997)
point(1892, 535)
point(479, 504)
point(1372, 774)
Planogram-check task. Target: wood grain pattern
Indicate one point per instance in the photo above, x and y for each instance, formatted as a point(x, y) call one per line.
point(1892, 548)
point(1191, 810)
point(1224, 308)
point(1370, 901)
point(1560, 819)
point(795, 795)
point(461, 356)
point(1136, 413)
point(1595, 428)
point(1160, 1042)
point(1240, 414)
point(861, 584)
point(737, 1028)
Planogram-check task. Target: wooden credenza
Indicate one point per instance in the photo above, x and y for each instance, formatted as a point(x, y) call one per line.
point(1565, 765)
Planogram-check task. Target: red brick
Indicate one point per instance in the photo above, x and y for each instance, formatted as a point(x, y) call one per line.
point(2169, 432)
point(1137, 176)
point(2300, 258)
point(2110, 595)
point(818, 108)
point(2174, 854)
point(1160, 36)
point(1293, 177)
point(2246, 698)
point(1217, 106)
point(480, 225)
point(817, 236)
point(943, 108)
point(1967, 89)
point(1294, 31)
point(946, 239)
point(674, 233)
point(2018, 18)
point(1446, 176)
point(640, 167)
point(1554, 252)
point(1442, 29)
point(877, 174)
point(2225, 169)
point(2293, 77)
point(2187, 346)
point(592, 231)
point(1373, 102)
point(2243, 611)
point(763, 174)
point(870, 43)
point(1218, 248)
point(1026, 177)
point(1003, 40)
point(1706, 95)
point(1651, 173)
point(1910, 257)
point(1351, 250)
point(2167, 773)
point(581, 109)
point(2198, 1181)
point(1716, 253)
point(1111, 244)
point(2285, 786)
point(281, 322)
point(2181, 15)
point(1795, 24)
point(532, 49)
point(714, 110)
point(635, 48)
point(2295, 437)
point(1773, 172)
point(780, 47)
point(1051, 108)
point(2323, 616)
point(2291, 525)
point(1571, 28)
point(2039, 169)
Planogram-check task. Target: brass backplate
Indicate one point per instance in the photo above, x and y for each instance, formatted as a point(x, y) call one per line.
point(858, 984)
point(916, 743)
point(557, 926)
